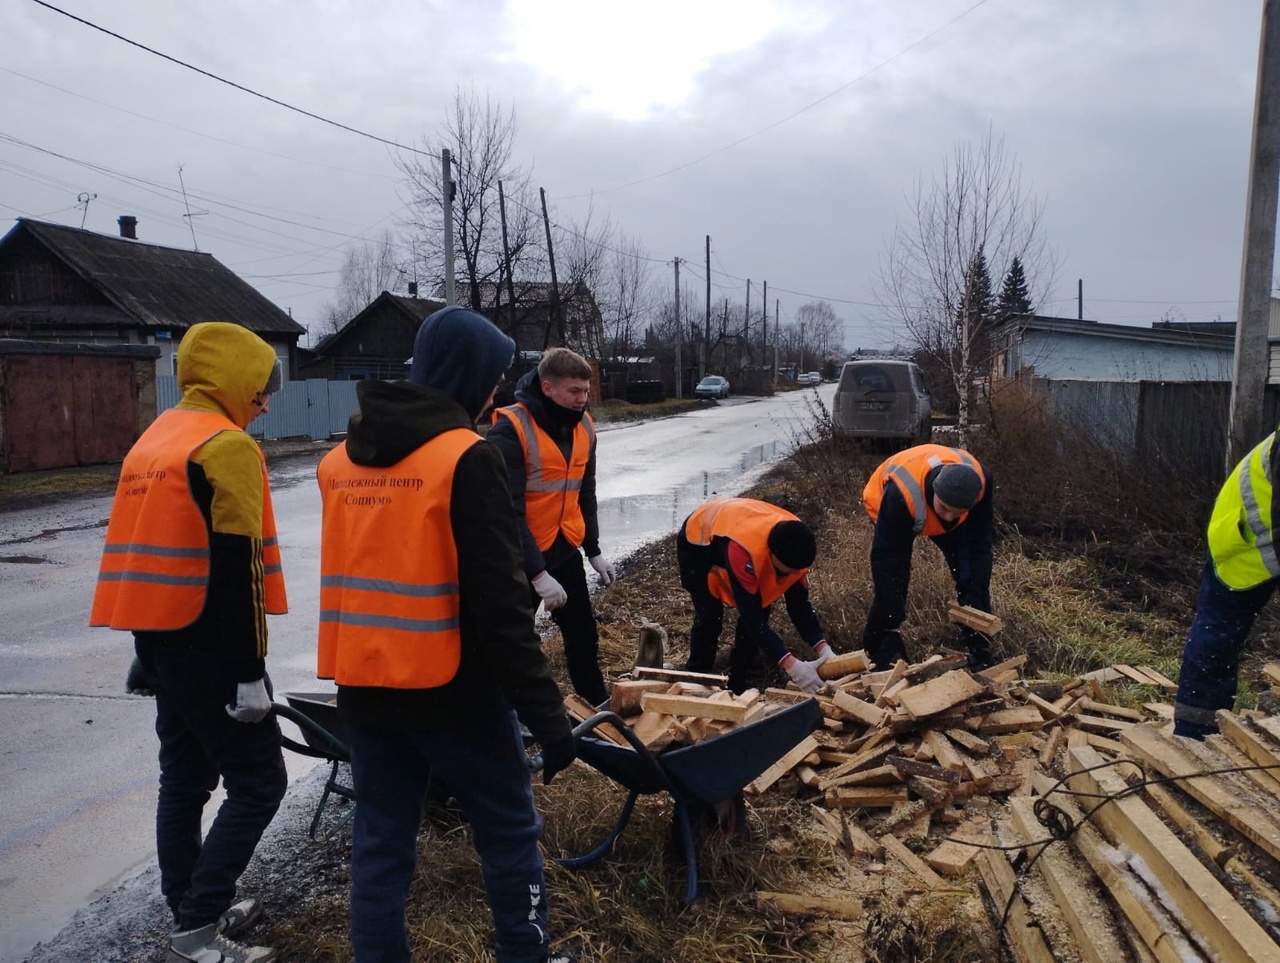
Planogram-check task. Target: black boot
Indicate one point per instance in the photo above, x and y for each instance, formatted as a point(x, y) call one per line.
point(887, 650)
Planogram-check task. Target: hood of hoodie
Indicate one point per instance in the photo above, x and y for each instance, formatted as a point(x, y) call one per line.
point(396, 418)
point(223, 367)
point(462, 354)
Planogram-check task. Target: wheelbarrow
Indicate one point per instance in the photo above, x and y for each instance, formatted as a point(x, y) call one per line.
point(709, 774)
point(316, 716)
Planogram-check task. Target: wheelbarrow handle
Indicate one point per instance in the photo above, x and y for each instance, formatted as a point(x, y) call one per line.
point(331, 747)
point(588, 725)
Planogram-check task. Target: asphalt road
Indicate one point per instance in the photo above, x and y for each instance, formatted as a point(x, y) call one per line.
point(77, 755)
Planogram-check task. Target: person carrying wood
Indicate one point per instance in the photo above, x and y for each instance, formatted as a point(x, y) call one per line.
point(944, 494)
point(747, 554)
point(427, 629)
point(1240, 574)
point(549, 443)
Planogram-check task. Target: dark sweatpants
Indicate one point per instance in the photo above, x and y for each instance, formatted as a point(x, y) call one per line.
point(577, 623)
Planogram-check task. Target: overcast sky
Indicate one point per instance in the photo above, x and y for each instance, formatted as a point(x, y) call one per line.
point(1131, 122)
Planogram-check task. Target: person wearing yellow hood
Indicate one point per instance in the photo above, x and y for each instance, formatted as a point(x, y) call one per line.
point(191, 566)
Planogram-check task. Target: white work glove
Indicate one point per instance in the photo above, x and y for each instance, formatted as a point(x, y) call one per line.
point(823, 651)
point(252, 702)
point(803, 674)
point(550, 591)
point(607, 571)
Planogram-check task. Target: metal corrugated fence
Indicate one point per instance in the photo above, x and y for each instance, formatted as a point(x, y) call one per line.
point(300, 409)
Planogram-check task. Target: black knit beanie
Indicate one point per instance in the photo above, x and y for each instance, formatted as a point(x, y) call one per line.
point(958, 485)
point(792, 544)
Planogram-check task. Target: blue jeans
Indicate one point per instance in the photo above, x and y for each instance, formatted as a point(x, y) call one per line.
point(1211, 658)
point(200, 743)
point(485, 769)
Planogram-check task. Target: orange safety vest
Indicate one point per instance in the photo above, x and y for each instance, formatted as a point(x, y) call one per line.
point(907, 470)
point(154, 574)
point(747, 522)
point(389, 600)
point(551, 486)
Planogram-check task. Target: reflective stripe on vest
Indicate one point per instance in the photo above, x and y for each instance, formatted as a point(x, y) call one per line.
point(155, 561)
point(551, 486)
point(1241, 536)
point(907, 470)
point(748, 522)
point(389, 600)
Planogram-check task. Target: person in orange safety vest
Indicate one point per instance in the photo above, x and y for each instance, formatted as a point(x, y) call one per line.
point(549, 443)
point(747, 554)
point(191, 567)
point(946, 495)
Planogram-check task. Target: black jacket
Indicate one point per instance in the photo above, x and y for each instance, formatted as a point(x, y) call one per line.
point(502, 663)
point(558, 422)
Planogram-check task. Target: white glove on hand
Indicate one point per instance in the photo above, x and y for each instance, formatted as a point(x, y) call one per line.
point(252, 702)
point(550, 591)
point(823, 652)
point(607, 571)
point(803, 674)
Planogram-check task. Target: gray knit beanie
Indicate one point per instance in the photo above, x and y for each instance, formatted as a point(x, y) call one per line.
point(958, 486)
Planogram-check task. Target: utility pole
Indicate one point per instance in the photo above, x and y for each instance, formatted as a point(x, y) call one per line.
point(776, 331)
point(506, 260)
point(764, 321)
point(679, 337)
point(447, 189)
point(706, 336)
point(746, 313)
point(1249, 379)
point(1079, 299)
point(556, 313)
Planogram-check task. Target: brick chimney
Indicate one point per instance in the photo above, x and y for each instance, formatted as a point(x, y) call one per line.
point(128, 226)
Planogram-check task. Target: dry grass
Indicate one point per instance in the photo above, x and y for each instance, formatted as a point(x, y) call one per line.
point(615, 409)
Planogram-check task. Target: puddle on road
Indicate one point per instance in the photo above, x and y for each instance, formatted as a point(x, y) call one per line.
point(25, 559)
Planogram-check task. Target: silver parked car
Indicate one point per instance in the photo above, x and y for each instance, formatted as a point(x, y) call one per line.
point(712, 386)
point(883, 400)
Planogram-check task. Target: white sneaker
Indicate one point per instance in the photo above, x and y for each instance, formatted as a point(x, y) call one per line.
point(239, 917)
point(206, 946)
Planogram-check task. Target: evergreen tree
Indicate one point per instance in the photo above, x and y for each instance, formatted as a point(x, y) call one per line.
point(1014, 296)
point(977, 302)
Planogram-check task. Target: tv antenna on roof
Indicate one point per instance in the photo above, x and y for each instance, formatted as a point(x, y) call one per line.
point(83, 198)
point(189, 215)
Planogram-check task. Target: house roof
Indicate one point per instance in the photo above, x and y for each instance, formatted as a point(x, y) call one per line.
point(1218, 337)
point(415, 309)
point(158, 287)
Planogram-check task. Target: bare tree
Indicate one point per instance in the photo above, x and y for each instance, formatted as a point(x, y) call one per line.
point(975, 208)
point(821, 329)
point(626, 295)
point(368, 269)
point(481, 138)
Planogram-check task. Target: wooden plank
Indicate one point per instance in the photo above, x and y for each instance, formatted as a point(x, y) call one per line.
point(938, 695)
point(955, 853)
point(872, 754)
point(656, 730)
point(1134, 675)
point(1047, 709)
point(783, 766)
point(1086, 915)
point(1163, 752)
point(1050, 750)
point(682, 705)
point(928, 770)
point(1161, 710)
point(896, 674)
point(944, 752)
point(712, 679)
point(803, 905)
point(1201, 900)
point(840, 665)
point(1007, 720)
point(1102, 725)
point(898, 850)
point(871, 797)
point(580, 709)
point(1017, 662)
point(1160, 679)
point(974, 618)
point(1234, 731)
point(879, 776)
point(624, 695)
point(1025, 938)
point(1107, 709)
point(863, 712)
point(1108, 674)
point(1271, 673)
point(971, 742)
point(854, 838)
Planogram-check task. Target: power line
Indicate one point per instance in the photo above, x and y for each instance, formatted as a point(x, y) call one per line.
point(241, 87)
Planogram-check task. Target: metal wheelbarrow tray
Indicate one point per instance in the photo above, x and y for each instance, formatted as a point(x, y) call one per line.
point(709, 772)
point(316, 716)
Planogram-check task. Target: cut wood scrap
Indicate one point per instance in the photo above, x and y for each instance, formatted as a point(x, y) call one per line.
point(956, 852)
point(840, 665)
point(932, 791)
point(1259, 777)
point(1050, 750)
point(783, 766)
point(802, 905)
point(1160, 679)
point(1095, 691)
point(896, 848)
point(1007, 677)
point(1252, 746)
point(905, 814)
point(624, 695)
point(807, 775)
point(1161, 710)
point(1102, 724)
point(1025, 938)
point(870, 797)
point(1107, 709)
point(1017, 662)
point(699, 690)
point(1156, 927)
point(1108, 745)
point(656, 730)
point(789, 696)
point(582, 710)
point(1271, 673)
point(915, 768)
point(974, 618)
point(1086, 915)
point(938, 694)
point(889, 695)
point(936, 665)
point(850, 835)
point(1006, 720)
point(943, 751)
point(855, 708)
point(1270, 725)
point(1201, 900)
point(684, 705)
point(712, 679)
point(896, 673)
point(969, 741)
point(1047, 709)
point(879, 776)
point(872, 755)
point(1165, 754)
point(1134, 674)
